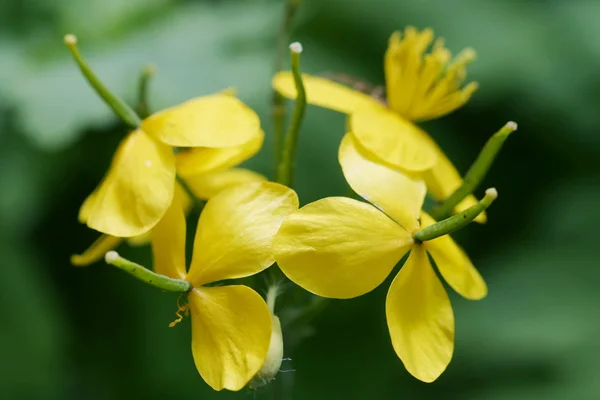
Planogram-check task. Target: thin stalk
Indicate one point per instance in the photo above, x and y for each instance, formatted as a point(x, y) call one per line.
point(198, 203)
point(285, 171)
point(278, 111)
point(120, 108)
point(145, 275)
point(476, 173)
point(456, 221)
point(142, 107)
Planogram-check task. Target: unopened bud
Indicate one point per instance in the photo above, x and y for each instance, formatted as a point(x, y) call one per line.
point(274, 358)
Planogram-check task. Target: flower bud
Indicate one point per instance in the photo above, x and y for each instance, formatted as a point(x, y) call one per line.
point(274, 358)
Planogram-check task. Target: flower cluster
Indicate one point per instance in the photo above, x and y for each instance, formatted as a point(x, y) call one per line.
point(336, 247)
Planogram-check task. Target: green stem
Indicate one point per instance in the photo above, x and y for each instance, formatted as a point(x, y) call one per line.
point(142, 107)
point(285, 30)
point(115, 103)
point(285, 171)
point(198, 203)
point(314, 309)
point(272, 293)
point(477, 171)
point(456, 221)
point(145, 275)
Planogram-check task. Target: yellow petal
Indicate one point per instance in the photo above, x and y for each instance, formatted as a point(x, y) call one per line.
point(235, 231)
point(420, 318)
point(323, 92)
point(393, 139)
point(86, 207)
point(200, 160)
point(231, 330)
point(454, 265)
point(168, 241)
point(96, 251)
point(140, 240)
point(186, 205)
point(137, 189)
point(230, 91)
point(339, 247)
point(218, 120)
point(443, 179)
point(208, 185)
point(403, 64)
point(394, 193)
point(184, 198)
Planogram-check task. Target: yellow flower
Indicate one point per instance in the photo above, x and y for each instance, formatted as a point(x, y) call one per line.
point(342, 248)
point(419, 86)
point(139, 185)
point(207, 171)
point(231, 324)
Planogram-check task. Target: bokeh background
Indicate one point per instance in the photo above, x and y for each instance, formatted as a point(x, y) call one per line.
point(95, 333)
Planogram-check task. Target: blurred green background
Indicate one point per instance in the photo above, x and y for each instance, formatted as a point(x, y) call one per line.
point(95, 333)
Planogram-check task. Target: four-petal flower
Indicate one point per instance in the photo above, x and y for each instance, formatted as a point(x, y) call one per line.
point(231, 324)
point(206, 171)
point(139, 185)
point(342, 248)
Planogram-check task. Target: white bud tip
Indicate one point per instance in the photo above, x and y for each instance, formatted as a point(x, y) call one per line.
point(111, 256)
point(70, 39)
point(511, 125)
point(492, 193)
point(296, 47)
point(150, 69)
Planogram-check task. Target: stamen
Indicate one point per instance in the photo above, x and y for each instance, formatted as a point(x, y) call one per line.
point(185, 309)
